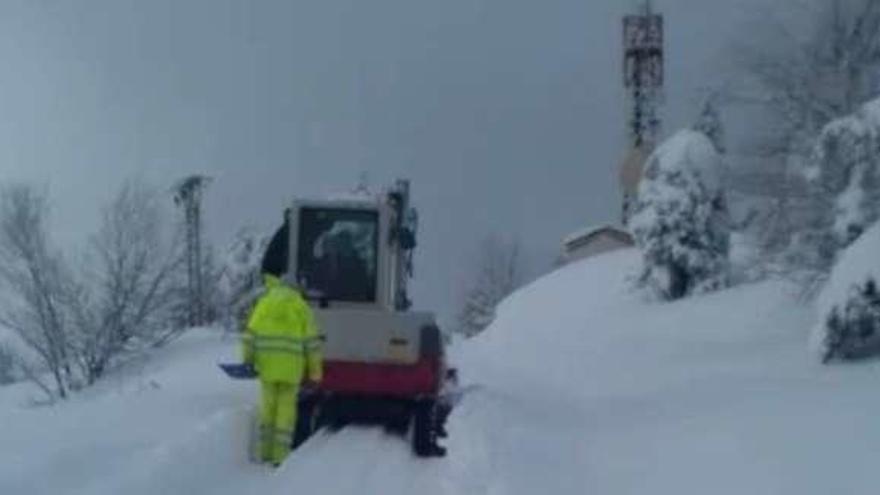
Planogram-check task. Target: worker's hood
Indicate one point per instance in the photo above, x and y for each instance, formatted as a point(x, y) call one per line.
point(271, 281)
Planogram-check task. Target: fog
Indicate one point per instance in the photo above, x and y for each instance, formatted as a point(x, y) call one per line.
point(507, 115)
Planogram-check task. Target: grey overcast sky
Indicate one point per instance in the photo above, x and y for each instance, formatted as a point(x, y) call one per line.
point(506, 114)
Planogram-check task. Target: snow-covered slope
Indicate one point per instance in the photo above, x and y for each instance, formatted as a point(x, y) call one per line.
point(579, 387)
point(588, 389)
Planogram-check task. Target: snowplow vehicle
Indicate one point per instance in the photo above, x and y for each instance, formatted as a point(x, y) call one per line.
point(383, 363)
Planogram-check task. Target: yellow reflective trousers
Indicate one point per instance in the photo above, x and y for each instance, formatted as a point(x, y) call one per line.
point(278, 404)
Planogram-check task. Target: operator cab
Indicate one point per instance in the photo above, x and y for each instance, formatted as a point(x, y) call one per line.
point(354, 253)
point(337, 255)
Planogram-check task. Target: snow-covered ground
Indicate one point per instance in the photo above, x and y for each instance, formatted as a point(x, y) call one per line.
point(579, 387)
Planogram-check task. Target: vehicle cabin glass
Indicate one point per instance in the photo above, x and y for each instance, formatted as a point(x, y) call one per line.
point(337, 255)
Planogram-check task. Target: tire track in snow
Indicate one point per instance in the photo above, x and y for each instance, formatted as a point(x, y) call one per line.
point(213, 458)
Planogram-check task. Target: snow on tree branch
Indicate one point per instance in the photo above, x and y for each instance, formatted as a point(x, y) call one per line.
point(681, 224)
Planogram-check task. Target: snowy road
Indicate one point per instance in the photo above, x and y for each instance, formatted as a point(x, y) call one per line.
point(177, 426)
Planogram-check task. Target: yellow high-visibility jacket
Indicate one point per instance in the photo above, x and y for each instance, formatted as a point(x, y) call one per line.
point(281, 339)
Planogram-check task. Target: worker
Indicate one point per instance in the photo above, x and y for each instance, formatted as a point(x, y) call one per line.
point(281, 342)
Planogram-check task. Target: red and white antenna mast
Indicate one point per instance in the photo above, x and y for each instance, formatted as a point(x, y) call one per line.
point(643, 78)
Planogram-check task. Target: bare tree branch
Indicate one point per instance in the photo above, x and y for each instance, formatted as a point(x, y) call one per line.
point(498, 272)
point(32, 277)
point(131, 281)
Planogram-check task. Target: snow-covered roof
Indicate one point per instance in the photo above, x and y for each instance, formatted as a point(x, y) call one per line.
point(585, 234)
point(340, 201)
point(355, 196)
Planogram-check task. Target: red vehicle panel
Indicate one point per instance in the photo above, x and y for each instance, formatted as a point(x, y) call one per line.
point(345, 377)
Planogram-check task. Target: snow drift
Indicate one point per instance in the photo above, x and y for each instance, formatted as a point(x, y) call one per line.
point(587, 388)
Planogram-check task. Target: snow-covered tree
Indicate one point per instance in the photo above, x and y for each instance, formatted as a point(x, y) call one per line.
point(239, 280)
point(213, 298)
point(710, 124)
point(844, 180)
point(819, 64)
point(79, 320)
point(797, 69)
point(846, 171)
point(849, 305)
point(498, 272)
point(37, 286)
point(681, 223)
point(129, 291)
point(7, 365)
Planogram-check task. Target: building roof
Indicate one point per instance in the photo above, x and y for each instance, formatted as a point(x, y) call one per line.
point(586, 235)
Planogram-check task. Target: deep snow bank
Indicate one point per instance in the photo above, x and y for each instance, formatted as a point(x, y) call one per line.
point(586, 388)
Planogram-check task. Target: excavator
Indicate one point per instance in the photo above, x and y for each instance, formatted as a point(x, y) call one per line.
point(384, 364)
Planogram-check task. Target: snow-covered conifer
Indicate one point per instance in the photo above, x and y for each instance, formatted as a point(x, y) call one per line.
point(849, 306)
point(846, 172)
point(239, 279)
point(7, 365)
point(681, 223)
point(709, 123)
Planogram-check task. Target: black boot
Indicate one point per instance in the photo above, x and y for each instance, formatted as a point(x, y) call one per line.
point(436, 450)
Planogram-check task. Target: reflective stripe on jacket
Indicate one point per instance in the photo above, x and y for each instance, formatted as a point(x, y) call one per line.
point(280, 343)
point(281, 338)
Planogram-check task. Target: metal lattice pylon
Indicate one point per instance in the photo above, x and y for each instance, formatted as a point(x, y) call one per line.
point(643, 72)
point(643, 78)
point(188, 195)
